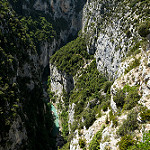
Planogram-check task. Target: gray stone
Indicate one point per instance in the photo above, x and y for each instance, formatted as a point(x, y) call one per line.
point(148, 84)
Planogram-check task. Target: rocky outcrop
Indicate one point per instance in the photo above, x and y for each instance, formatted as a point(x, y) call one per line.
point(139, 75)
point(71, 114)
point(110, 36)
point(21, 94)
point(60, 81)
point(87, 134)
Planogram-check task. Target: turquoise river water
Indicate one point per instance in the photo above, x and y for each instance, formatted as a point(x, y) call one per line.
point(55, 130)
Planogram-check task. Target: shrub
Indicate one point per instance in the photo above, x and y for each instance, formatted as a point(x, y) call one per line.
point(113, 118)
point(127, 98)
point(129, 125)
point(134, 64)
point(144, 29)
point(134, 50)
point(95, 142)
point(132, 97)
point(107, 86)
point(125, 142)
point(145, 114)
point(104, 106)
point(89, 119)
point(119, 98)
point(82, 143)
point(145, 145)
point(106, 120)
point(128, 34)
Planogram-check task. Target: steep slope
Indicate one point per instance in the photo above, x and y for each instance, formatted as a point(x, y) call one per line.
point(26, 120)
point(65, 17)
point(111, 28)
point(99, 82)
point(93, 115)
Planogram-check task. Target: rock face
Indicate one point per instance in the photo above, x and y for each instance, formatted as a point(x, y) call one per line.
point(21, 96)
point(18, 137)
point(71, 114)
point(137, 76)
point(66, 13)
point(105, 24)
point(60, 81)
point(66, 17)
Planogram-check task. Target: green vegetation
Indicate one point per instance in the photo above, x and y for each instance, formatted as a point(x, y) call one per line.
point(87, 93)
point(134, 50)
point(134, 64)
point(128, 33)
point(144, 29)
point(145, 145)
point(71, 57)
point(17, 102)
point(145, 114)
point(113, 118)
point(127, 98)
point(39, 29)
point(129, 125)
point(128, 143)
point(65, 146)
point(82, 143)
point(125, 142)
point(64, 119)
point(95, 142)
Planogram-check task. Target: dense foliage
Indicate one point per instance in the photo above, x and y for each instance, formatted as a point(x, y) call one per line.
point(145, 114)
point(95, 142)
point(71, 57)
point(144, 145)
point(129, 125)
point(17, 102)
point(87, 95)
point(127, 142)
point(127, 98)
point(38, 29)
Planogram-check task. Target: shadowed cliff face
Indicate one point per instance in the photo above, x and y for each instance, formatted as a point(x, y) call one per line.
point(65, 17)
point(25, 119)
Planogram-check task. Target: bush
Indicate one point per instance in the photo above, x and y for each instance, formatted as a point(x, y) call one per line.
point(106, 120)
point(132, 97)
point(82, 143)
point(134, 64)
point(89, 119)
point(125, 142)
point(107, 86)
point(145, 145)
point(145, 114)
point(134, 50)
point(95, 142)
point(129, 125)
point(128, 34)
point(113, 118)
point(119, 98)
point(144, 29)
point(127, 98)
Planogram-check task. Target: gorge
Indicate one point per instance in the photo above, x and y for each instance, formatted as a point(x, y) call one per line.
point(74, 74)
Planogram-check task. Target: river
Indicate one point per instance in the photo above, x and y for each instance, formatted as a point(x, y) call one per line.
point(55, 130)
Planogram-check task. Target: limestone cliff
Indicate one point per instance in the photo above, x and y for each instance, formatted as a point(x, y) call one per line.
point(24, 115)
point(111, 28)
point(117, 36)
point(99, 82)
